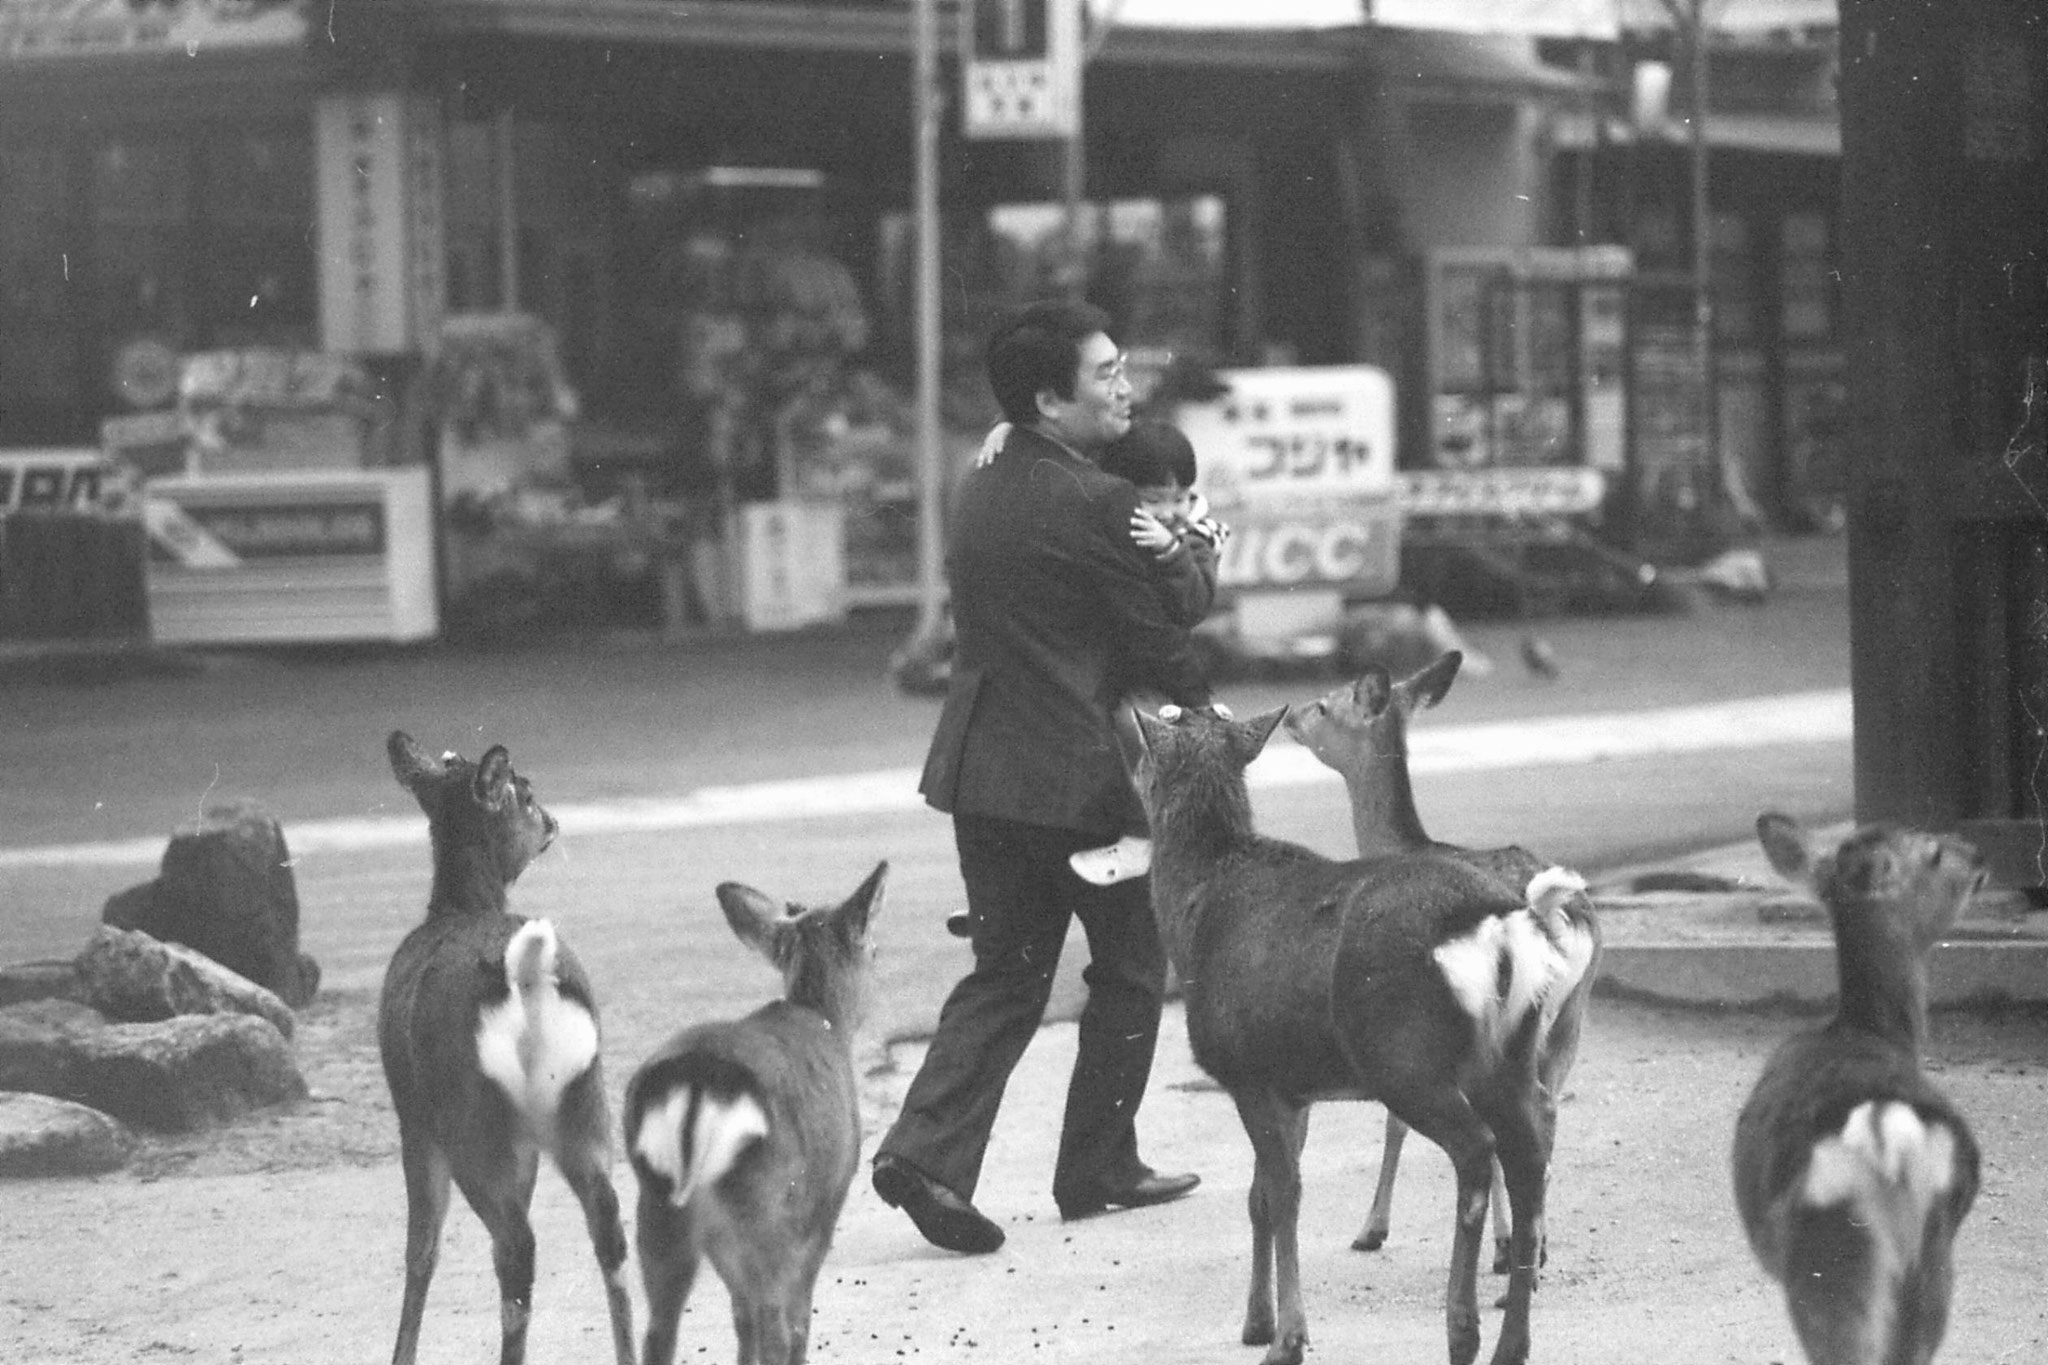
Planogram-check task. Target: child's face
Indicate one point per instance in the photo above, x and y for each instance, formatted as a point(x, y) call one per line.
point(1169, 502)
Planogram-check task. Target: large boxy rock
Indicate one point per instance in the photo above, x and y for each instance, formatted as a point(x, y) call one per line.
point(172, 1076)
point(127, 975)
point(226, 888)
point(44, 1136)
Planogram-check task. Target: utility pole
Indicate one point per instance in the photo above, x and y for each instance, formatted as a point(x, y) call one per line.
point(931, 464)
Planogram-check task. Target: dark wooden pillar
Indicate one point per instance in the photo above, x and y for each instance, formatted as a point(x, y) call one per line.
point(1945, 255)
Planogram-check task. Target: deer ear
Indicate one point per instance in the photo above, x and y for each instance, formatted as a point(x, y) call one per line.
point(1427, 686)
point(752, 915)
point(493, 776)
point(410, 764)
point(1150, 729)
point(1373, 689)
point(861, 906)
point(1785, 844)
point(1250, 737)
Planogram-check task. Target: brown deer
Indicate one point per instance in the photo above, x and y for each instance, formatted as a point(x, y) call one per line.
point(1412, 979)
point(489, 1035)
point(745, 1133)
point(1361, 731)
point(1852, 1171)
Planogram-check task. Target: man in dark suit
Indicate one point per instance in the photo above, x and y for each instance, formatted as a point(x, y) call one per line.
point(1057, 614)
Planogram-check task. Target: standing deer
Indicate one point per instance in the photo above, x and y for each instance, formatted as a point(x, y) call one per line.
point(1361, 730)
point(1852, 1171)
point(489, 1035)
point(1412, 979)
point(745, 1133)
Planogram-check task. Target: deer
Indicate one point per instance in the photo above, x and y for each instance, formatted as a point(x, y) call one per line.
point(744, 1134)
point(1411, 978)
point(488, 1029)
point(1852, 1171)
point(1361, 731)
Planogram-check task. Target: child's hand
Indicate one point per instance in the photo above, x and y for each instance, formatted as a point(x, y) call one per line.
point(992, 444)
point(1150, 533)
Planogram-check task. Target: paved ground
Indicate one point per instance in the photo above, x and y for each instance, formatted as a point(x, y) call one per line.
point(277, 1239)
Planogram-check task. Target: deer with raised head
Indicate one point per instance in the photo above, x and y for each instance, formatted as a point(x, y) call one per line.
point(745, 1133)
point(1412, 979)
point(1361, 731)
point(489, 1035)
point(1852, 1171)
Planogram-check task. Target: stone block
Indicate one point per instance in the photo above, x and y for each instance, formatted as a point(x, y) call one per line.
point(175, 1075)
point(226, 889)
point(41, 1136)
point(130, 976)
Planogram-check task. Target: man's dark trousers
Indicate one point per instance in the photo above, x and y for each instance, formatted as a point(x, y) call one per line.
point(1023, 896)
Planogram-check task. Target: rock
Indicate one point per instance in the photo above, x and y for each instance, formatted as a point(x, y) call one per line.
point(48, 980)
point(226, 888)
point(127, 975)
point(44, 1136)
point(171, 1076)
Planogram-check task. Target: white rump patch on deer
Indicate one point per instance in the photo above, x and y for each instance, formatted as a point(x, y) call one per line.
point(536, 1040)
point(1537, 951)
point(1889, 1168)
point(722, 1128)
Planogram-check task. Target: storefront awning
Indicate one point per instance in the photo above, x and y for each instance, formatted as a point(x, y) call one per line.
point(1468, 66)
point(765, 25)
point(1816, 135)
point(40, 31)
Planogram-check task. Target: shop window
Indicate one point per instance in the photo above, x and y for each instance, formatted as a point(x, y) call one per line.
point(1806, 278)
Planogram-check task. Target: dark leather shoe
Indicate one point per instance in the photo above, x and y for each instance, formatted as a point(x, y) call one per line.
point(945, 1219)
point(1149, 1188)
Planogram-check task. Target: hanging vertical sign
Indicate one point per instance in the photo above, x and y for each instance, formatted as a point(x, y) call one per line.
point(1020, 68)
point(381, 234)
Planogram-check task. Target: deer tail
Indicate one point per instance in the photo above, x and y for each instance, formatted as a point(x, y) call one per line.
point(1509, 966)
point(1868, 1255)
point(537, 1040)
point(692, 1134)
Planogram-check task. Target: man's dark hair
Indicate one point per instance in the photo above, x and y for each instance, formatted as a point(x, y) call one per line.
point(1151, 455)
point(1037, 348)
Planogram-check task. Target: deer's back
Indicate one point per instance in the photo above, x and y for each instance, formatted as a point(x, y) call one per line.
point(444, 974)
point(799, 1068)
point(1810, 1087)
point(1280, 942)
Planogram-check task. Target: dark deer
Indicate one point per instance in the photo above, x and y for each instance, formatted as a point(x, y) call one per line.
point(1361, 730)
point(1411, 979)
point(745, 1133)
point(1852, 1171)
point(489, 1035)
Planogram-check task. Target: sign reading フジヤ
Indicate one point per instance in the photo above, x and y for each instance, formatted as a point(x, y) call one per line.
point(1300, 462)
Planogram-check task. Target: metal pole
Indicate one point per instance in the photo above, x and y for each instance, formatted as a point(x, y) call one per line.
point(508, 215)
point(1703, 245)
point(931, 466)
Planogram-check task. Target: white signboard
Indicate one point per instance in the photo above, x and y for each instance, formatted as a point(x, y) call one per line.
point(1020, 68)
point(1509, 491)
point(378, 184)
point(1300, 462)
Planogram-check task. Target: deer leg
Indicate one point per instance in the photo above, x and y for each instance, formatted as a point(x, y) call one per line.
point(1277, 1130)
point(1377, 1222)
point(500, 1190)
point(668, 1267)
point(1497, 1202)
point(426, 1209)
point(587, 1177)
point(1513, 1108)
point(1444, 1116)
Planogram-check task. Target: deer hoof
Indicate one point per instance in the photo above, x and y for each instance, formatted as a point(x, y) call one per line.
point(1287, 1350)
point(1372, 1239)
point(1258, 1329)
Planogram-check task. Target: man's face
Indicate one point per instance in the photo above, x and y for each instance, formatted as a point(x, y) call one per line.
point(1169, 503)
point(1100, 410)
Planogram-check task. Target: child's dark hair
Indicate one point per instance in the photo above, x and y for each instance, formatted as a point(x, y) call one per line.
point(1151, 455)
